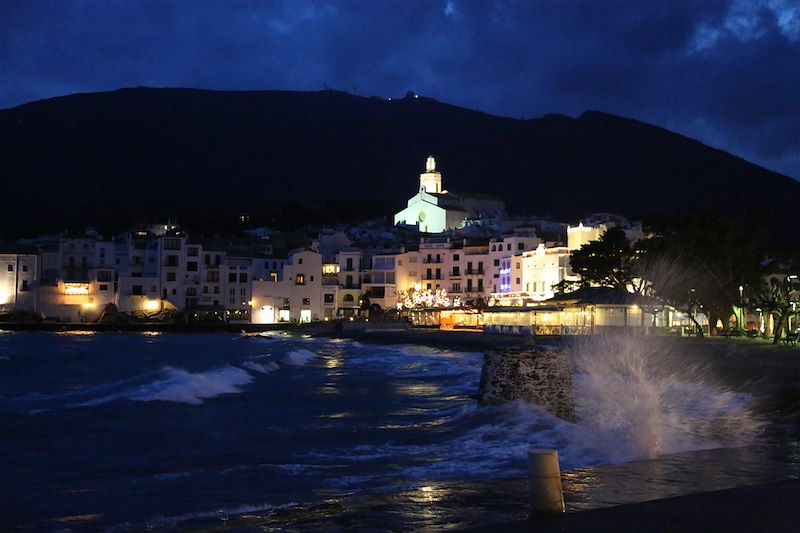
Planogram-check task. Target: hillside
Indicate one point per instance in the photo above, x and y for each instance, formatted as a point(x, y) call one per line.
point(111, 158)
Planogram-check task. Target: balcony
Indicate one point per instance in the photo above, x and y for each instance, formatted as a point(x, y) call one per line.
point(432, 260)
point(475, 272)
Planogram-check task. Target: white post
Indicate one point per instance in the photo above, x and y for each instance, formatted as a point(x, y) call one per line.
point(546, 495)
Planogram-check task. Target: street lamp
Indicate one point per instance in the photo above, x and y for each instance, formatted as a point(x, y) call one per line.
point(741, 309)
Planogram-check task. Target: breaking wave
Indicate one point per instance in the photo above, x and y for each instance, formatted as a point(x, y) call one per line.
point(299, 357)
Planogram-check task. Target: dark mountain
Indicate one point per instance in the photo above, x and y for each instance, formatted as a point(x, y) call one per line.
point(108, 159)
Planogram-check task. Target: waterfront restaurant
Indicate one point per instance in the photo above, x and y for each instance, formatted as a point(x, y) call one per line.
point(586, 311)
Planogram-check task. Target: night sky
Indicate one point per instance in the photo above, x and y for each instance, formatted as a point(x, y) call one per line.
point(724, 72)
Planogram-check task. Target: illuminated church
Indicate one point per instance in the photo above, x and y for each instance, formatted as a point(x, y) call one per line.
point(435, 210)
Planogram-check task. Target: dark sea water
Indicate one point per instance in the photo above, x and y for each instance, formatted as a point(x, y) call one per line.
point(131, 432)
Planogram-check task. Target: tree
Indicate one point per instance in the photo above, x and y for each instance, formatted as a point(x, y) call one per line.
point(774, 297)
point(709, 258)
point(606, 262)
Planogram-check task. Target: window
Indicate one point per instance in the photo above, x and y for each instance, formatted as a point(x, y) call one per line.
point(233, 300)
point(273, 277)
point(232, 277)
point(24, 287)
point(300, 279)
point(137, 260)
point(480, 284)
point(103, 275)
point(84, 262)
point(456, 287)
point(348, 298)
point(216, 289)
point(171, 276)
point(191, 266)
point(243, 277)
point(517, 281)
point(520, 246)
point(11, 267)
point(456, 271)
point(174, 292)
point(172, 260)
point(349, 264)
point(103, 287)
point(205, 289)
point(232, 292)
point(517, 266)
point(286, 303)
point(312, 279)
point(496, 262)
point(508, 246)
point(306, 301)
point(24, 268)
point(137, 290)
point(152, 288)
point(212, 277)
point(328, 298)
point(243, 292)
point(172, 243)
point(192, 251)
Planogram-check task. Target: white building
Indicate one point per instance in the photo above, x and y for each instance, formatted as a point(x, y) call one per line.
point(544, 268)
point(77, 278)
point(432, 209)
point(298, 298)
point(19, 275)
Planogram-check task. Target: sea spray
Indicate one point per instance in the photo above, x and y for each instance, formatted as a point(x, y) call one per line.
point(634, 400)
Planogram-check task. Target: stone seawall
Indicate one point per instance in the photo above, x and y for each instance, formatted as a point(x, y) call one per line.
point(541, 375)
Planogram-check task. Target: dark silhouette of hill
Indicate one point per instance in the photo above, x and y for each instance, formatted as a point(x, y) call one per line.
point(203, 157)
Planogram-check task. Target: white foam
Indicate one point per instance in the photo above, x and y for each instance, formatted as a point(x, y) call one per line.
point(299, 357)
point(180, 386)
point(267, 368)
point(192, 388)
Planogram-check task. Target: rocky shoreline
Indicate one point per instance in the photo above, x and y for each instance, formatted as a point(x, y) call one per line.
point(537, 374)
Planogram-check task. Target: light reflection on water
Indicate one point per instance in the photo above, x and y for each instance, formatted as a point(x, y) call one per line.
point(459, 505)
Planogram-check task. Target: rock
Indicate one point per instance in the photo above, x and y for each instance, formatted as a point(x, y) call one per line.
point(535, 374)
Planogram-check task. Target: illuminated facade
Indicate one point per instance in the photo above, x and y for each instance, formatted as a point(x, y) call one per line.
point(77, 278)
point(542, 269)
point(434, 210)
point(19, 275)
point(299, 297)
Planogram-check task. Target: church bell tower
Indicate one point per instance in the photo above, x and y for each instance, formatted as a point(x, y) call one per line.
point(431, 179)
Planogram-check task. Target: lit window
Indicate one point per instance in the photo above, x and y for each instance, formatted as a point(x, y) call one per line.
point(300, 279)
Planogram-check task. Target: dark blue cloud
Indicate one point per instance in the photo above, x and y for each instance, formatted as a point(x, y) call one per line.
point(725, 72)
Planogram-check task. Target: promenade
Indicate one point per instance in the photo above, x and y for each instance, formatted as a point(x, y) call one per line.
point(771, 507)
